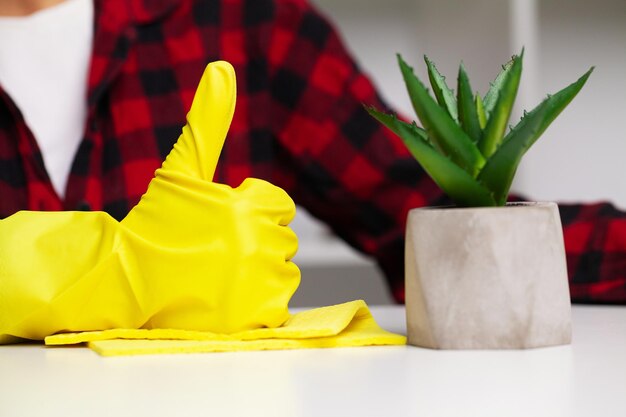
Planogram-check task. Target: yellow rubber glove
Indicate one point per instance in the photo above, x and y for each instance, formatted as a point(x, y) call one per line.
point(192, 255)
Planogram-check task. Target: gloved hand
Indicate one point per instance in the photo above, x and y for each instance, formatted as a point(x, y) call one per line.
point(192, 254)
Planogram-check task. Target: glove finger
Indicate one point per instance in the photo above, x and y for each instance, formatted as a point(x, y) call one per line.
point(199, 146)
point(292, 246)
point(284, 240)
point(269, 199)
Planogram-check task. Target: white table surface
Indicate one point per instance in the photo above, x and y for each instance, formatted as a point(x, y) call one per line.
point(587, 378)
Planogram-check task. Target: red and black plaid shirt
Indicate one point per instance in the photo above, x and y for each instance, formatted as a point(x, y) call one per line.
point(299, 123)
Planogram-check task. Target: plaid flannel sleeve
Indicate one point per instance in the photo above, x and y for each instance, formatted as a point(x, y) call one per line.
point(595, 243)
point(350, 172)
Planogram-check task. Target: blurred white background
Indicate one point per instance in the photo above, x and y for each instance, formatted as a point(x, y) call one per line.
point(579, 158)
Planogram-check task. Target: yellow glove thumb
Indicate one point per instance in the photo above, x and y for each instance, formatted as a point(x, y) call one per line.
point(199, 146)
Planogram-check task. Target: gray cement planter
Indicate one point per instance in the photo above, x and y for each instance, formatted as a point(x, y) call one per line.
point(487, 278)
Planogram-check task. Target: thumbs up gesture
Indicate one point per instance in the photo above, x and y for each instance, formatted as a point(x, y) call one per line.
point(193, 254)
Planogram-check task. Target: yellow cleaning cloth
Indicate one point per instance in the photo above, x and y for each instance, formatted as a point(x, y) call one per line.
point(349, 324)
point(193, 257)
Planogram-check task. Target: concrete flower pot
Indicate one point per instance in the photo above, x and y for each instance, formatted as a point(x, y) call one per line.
point(487, 278)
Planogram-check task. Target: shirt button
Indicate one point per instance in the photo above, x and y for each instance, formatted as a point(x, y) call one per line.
point(83, 205)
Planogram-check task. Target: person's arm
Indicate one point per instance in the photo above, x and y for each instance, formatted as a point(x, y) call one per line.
point(349, 171)
point(358, 177)
point(595, 242)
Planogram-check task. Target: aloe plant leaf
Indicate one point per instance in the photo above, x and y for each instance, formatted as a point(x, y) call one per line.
point(499, 116)
point(480, 111)
point(442, 129)
point(392, 122)
point(556, 103)
point(500, 169)
point(445, 96)
point(465, 190)
point(492, 94)
point(468, 117)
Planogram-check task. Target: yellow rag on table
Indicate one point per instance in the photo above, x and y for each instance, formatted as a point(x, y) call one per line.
point(343, 325)
point(195, 266)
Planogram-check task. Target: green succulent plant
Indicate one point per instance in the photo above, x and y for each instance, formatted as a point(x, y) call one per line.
point(463, 144)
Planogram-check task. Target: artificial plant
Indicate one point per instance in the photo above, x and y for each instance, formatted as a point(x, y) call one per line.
point(463, 144)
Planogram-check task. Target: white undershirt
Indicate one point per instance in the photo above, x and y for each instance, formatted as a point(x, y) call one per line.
point(44, 62)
